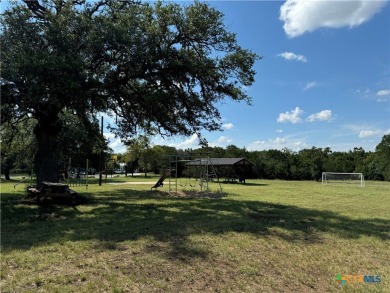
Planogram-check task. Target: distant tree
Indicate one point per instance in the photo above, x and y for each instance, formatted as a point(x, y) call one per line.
point(212, 152)
point(339, 162)
point(140, 150)
point(383, 148)
point(233, 151)
point(372, 167)
point(358, 155)
point(18, 146)
point(277, 164)
point(81, 141)
point(131, 166)
point(258, 158)
point(161, 155)
point(158, 68)
point(382, 158)
point(313, 162)
point(218, 152)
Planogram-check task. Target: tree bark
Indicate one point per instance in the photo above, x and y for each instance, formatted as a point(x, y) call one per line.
point(46, 159)
point(6, 165)
point(7, 173)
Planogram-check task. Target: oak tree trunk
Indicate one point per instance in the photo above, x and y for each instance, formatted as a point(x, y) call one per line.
point(46, 159)
point(7, 171)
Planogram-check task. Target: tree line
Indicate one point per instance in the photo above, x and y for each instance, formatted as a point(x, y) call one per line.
point(79, 144)
point(306, 164)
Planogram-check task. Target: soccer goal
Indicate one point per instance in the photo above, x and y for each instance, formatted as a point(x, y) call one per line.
point(348, 178)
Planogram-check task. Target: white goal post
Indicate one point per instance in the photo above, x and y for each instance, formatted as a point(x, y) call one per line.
point(335, 177)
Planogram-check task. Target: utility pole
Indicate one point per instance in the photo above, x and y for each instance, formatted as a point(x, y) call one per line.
point(101, 155)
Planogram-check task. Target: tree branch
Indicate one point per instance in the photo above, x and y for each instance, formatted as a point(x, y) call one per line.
point(35, 7)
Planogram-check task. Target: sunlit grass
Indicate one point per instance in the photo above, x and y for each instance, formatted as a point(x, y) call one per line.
point(265, 236)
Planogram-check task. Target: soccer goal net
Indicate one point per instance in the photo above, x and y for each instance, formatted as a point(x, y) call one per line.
point(348, 178)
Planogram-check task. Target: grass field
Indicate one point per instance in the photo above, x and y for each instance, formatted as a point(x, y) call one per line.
point(264, 236)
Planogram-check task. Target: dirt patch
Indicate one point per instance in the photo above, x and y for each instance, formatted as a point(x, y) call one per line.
point(193, 194)
point(132, 183)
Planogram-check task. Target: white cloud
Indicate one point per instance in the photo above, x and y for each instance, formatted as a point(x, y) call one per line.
point(302, 16)
point(365, 92)
point(115, 143)
point(377, 132)
point(268, 144)
point(324, 115)
point(292, 56)
point(278, 143)
point(279, 130)
point(224, 139)
point(299, 145)
point(383, 93)
point(310, 85)
point(191, 142)
point(279, 140)
point(293, 116)
point(121, 150)
point(350, 129)
point(109, 135)
point(228, 125)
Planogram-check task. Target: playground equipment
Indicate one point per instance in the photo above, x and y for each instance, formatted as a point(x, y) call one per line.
point(198, 172)
point(206, 172)
point(173, 163)
point(78, 177)
point(67, 175)
point(187, 181)
point(231, 169)
point(160, 181)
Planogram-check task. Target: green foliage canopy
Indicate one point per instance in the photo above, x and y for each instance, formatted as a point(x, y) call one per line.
point(160, 68)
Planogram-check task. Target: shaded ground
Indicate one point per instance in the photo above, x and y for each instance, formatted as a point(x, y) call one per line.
point(128, 240)
point(193, 194)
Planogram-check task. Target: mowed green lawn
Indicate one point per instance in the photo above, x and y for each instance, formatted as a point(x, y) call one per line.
point(264, 236)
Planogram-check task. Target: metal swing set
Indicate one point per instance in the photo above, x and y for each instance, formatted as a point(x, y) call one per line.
point(204, 172)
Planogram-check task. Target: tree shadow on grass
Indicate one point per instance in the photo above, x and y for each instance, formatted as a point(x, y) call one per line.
point(131, 215)
point(244, 184)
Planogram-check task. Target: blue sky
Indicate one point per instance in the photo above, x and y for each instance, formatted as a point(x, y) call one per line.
point(324, 79)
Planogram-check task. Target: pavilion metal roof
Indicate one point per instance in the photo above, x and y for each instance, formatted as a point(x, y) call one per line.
point(219, 162)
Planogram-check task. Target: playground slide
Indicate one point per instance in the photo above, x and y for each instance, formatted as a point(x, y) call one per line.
point(160, 181)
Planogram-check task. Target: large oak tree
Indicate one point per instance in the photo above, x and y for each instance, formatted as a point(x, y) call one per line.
point(160, 68)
